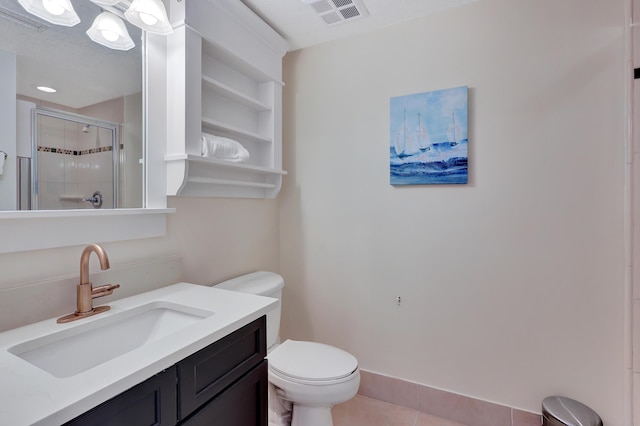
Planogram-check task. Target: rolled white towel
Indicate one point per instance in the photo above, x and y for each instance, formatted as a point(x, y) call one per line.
point(223, 148)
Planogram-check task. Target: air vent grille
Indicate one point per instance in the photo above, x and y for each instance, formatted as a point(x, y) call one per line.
point(334, 12)
point(340, 3)
point(350, 12)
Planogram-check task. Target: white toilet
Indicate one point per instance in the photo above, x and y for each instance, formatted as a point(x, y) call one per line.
point(311, 377)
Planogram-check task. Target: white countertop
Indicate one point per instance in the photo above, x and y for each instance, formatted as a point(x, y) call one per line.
point(31, 396)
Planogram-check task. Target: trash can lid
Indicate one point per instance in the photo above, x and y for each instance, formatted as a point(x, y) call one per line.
point(561, 411)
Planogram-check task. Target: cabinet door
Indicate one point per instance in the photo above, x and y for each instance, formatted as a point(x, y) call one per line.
point(242, 404)
point(152, 402)
point(210, 371)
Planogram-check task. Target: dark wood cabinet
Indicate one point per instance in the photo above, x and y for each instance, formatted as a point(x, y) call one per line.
point(151, 403)
point(244, 403)
point(205, 374)
point(223, 384)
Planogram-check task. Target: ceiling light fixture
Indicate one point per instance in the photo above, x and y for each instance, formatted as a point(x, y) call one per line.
point(59, 12)
point(150, 15)
point(109, 30)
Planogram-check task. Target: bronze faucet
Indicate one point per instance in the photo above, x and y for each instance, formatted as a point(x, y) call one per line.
point(86, 291)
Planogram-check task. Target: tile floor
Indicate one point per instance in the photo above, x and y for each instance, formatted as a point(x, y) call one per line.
point(365, 411)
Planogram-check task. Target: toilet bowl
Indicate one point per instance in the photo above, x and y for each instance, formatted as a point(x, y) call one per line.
point(309, 377)
point(313, 377)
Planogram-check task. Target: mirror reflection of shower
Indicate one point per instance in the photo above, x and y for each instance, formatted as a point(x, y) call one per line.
point(73, 157)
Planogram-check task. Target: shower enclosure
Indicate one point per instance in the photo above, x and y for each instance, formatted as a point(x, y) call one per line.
point(74, 164)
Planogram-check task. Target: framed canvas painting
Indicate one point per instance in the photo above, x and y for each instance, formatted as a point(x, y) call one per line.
point(428, 138)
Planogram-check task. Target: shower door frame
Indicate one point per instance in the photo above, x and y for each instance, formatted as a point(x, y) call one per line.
point(80, 119)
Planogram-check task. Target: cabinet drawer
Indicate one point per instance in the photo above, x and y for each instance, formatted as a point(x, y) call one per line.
point(153, 402)
point(244, 403)
point(209, 371)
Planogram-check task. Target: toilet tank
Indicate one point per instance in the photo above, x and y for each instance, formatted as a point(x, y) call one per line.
point(261, 283)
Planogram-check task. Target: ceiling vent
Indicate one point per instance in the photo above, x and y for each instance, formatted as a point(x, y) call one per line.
point(24, 20)
point(334, 12)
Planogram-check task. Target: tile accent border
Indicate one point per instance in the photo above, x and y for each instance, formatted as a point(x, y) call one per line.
point(76, 152)
point(443, 404)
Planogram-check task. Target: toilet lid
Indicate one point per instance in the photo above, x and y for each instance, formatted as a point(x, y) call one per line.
point(311, 361)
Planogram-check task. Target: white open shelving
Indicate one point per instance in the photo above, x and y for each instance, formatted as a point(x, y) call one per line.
point(225, 74)
point(229, 92)
point(236, 132)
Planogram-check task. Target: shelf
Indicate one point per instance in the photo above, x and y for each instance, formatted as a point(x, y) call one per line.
point(227, 68)
point(225, 164)
point(230, 93)
point(233, 131)
point(193, 175)
point(232, 183)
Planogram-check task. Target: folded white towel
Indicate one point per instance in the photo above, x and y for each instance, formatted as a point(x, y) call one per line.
point(2, 158)
point(223, 148)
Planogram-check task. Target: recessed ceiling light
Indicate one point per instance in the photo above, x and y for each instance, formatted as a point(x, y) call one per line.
point(46, 89)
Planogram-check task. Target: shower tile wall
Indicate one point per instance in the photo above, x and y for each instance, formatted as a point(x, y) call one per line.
point(95, 170)
point(62, 175)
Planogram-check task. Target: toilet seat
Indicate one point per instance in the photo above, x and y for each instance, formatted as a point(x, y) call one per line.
point(311, 363)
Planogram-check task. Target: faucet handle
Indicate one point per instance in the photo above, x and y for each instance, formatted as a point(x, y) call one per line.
point(103, 290)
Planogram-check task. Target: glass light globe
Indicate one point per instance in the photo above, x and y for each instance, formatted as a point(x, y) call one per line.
point(148, 19)
point(109, 30)
point(109, 35)
point(53, 7)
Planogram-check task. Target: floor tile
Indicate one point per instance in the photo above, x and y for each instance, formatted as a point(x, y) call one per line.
point(427, 420)
point(389, 389)
point(365, 411)
point(462, 408)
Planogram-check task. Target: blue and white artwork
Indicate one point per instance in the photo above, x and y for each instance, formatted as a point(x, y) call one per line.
point(428, 138)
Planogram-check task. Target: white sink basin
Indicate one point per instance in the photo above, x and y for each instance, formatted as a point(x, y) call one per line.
point(75, 350)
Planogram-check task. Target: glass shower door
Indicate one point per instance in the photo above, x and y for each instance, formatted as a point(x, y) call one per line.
point(75, 162)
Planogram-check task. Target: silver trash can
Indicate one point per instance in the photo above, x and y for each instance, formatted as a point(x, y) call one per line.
point(561, 411)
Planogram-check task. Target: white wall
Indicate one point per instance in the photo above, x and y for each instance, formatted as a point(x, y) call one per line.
point(8, 129)
point(131, 171)
point(512, 285)
point(634, 261)
point(217, 239)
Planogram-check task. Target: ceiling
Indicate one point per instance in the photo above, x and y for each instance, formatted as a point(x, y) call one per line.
point(86, 73)
point(302, 27)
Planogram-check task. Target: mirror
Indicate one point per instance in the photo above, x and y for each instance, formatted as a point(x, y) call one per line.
point(87, 137)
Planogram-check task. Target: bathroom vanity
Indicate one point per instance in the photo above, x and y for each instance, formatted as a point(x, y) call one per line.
point(224, 383)
point(182, 354)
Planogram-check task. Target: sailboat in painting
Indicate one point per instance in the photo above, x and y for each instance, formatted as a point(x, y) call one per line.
point(422, 136)
point(453, 132)
point(428, 138)
point(403, 142)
